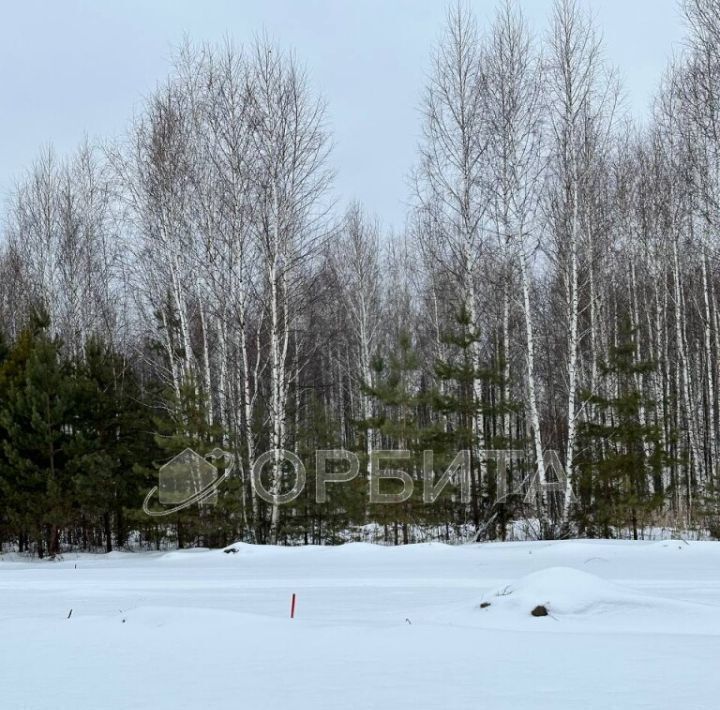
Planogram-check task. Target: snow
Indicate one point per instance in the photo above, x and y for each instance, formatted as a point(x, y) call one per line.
point(630, 625)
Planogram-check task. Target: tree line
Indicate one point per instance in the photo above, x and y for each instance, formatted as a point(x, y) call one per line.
point(556, 286)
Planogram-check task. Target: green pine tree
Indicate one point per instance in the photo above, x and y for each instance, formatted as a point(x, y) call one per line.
point(34, 414)
point(622, 453)
point(399, 397)
point(458, 404)
point(111, 427)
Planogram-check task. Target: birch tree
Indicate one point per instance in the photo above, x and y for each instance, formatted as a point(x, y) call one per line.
point(357, 265)
point(452, 177)
point(580, 95)
point(515, 117)
point(290, 149)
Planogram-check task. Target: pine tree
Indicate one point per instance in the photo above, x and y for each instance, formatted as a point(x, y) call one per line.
point(458, 404)
point(623, 455)
point(398, 397)
point(185, 424)
point(34, 415)
point(111, 427)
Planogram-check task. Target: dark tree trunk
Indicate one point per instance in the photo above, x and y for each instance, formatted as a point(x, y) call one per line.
point(107, 527)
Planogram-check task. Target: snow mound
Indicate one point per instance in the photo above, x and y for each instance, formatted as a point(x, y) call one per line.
point(184, 555)
point(564, 590)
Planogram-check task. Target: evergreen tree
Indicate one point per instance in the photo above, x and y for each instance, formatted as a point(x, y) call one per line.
point(623, 455)
point(112, 439)
point(183, 424)
point(398, 396)
point(457, 403)
point(34, 414)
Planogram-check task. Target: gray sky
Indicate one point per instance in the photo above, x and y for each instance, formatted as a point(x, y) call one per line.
point(70, 67)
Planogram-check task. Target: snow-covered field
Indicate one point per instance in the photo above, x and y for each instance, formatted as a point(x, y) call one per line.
point(630, 625)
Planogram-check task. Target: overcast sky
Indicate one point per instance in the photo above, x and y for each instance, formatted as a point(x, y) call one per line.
point(70, 67)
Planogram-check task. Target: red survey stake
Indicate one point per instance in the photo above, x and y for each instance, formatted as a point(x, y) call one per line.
point(292, 606)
